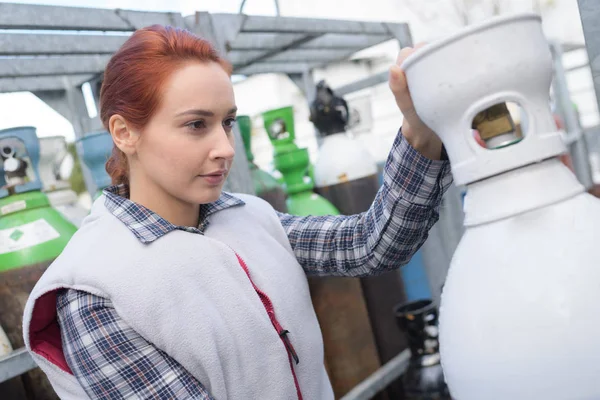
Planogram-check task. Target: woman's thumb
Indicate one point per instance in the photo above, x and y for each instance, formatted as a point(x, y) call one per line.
point(399, 87)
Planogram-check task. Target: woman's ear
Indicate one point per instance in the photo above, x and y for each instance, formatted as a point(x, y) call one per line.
point(124, 137)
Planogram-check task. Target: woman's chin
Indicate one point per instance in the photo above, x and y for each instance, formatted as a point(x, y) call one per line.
point(207, 195)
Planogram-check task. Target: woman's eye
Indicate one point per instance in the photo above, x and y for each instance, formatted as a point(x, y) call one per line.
point(197, 124)
point(229, 123)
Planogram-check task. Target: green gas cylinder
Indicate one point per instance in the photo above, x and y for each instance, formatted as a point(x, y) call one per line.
point(31, 231)
point(265, 185)
point(293, 163)
point(350, 349)
point(32, 235)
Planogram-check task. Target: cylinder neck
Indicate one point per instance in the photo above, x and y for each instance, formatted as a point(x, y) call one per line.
point(518, 191)
point(330, 136)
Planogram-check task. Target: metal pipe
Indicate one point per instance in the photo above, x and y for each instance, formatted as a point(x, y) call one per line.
point(16, 363)
point(242, 6)
point(381, 378)
point(276, 7)
point(574, 138)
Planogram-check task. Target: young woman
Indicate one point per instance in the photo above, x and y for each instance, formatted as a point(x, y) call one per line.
point(174, 289)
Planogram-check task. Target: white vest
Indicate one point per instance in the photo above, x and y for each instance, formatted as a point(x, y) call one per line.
point(188, 295)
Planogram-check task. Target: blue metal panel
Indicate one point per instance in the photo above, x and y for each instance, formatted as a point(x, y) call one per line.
point(414, 276)
point(94, 150)
point(416, 282)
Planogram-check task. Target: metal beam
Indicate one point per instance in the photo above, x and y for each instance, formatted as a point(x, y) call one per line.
point(34, 84)
point(57, 100)
point(401, 32)
point(268, 68)
point(142, 19)
point(48, 66)
point(201, 24)
point(345, 41)
point(254, 23)
point(16, 363)
point(14, 44)
point(310, 55)
point(574, 137)
point(340, 56)
point(273, 54)
point(240, 58)
point(567, 47)
point(306, 56)
point(381, 378)
point(577, 67)
point(82, 123)
point(263, 41)
point(226, 28)
point(298, 80)
point(589, 10)
point(30, 16)
point(362, 84)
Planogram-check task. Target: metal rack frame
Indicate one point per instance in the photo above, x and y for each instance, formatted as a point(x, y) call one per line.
point(52, 51)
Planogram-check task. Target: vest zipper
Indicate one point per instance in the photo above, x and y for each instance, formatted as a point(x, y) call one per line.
point(283, 333)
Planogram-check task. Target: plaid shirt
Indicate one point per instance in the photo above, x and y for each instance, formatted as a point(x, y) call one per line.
point(111, 361)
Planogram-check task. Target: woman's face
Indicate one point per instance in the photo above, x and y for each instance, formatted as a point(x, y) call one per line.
point(186, 150)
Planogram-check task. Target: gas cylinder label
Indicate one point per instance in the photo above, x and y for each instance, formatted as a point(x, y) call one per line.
point(13, 207)
point(28, 235)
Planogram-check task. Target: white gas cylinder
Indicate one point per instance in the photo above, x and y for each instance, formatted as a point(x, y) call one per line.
point(342, 159)
point(520, 306)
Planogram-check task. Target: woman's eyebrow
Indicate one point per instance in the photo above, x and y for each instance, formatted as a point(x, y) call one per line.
point(203, 113)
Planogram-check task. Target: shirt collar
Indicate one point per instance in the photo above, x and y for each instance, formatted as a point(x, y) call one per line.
point(148, 226)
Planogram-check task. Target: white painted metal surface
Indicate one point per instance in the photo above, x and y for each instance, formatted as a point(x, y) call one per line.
point(505, 59)
point(342, 159)
point(53, 150)
point(518, 316)
point(67, 203)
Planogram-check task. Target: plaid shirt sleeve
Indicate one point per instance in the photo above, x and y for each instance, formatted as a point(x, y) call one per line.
point(111, 361)
point(387, 235)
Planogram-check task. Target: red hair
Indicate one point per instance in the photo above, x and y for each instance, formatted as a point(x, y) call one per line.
point(135, 74)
